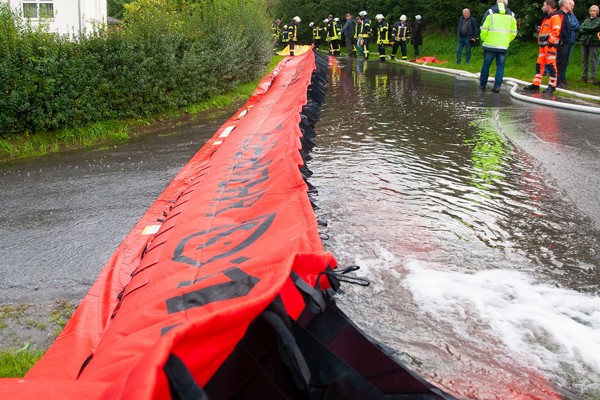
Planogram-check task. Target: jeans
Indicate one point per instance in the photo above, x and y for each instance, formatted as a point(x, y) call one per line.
point(466, 43)
point(488, 57)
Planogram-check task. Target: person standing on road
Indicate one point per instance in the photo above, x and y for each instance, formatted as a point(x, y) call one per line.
point(589, 40)
point(276, 30)
point(467, 31)
point(416, 36)
point(574, 27)
point(357, 28)
point(316, 34)
point(548, 38)
point(383, 38)
point(400, 36)
point(498, 30)
point(348, 31)
point(333, 35)
point(293, 33)
point(364, 32)
point(562, 50)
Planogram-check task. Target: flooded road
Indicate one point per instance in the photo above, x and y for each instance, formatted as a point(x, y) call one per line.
point(475, 216)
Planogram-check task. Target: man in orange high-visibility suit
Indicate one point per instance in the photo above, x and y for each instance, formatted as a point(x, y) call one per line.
point(548, 39)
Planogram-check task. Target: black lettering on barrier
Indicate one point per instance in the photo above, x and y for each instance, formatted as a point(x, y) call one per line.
point(243, 203)
point(240, 285)
point(243, 191)
point(225, 240)
point(251, 164)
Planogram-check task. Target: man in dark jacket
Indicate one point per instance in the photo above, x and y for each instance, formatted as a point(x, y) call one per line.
point(416, 36)
point(348, 32)
point(564, 46)
point(467, 31)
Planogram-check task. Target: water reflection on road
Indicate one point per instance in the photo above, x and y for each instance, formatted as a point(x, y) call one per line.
point(485, 273)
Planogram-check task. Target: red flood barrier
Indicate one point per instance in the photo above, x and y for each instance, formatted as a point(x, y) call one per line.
point(221, 290)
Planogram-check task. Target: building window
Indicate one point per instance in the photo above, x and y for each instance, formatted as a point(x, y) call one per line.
point(38, 9)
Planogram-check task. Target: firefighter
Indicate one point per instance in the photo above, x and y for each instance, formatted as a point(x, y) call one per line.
point(365, 31)
point(316, 34)
point(383, 38)
point(293, 33)
point(548, 39)
point(400, 35)
point(333, 35)
point(285, 36)
point(276, 30)
point(358, 46)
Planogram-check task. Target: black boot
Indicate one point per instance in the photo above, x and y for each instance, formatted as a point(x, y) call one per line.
point(550, 89)
point(532, 88)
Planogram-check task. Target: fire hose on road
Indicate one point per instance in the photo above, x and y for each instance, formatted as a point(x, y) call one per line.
point(515, 84)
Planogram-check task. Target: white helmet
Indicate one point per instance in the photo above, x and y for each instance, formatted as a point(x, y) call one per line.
point(362, 13)
point(311, 24)
point(379, 16)
point(325, 21)
point(403, 17)
point(297, 18)
point(418, 17)
point(336, 19)
point(285, 27)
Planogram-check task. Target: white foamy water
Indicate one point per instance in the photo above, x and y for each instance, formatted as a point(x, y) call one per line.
point(552, 329)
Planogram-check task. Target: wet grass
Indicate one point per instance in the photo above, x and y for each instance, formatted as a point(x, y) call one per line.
point(42, 143)
point(14, 363)
point(520, 61)
point(24, 324)
point(60, 314)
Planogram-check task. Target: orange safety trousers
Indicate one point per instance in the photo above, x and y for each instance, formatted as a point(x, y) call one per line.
point(546, 58)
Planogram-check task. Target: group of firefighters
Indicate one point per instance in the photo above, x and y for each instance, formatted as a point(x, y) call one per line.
point(358, 34)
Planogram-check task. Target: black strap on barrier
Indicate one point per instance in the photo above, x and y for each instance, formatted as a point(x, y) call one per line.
point(313, 298)
point(288, 350)
point(337, 276)
point(182, 384)
point(319, 357)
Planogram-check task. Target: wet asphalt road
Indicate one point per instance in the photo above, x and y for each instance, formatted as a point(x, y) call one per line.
point(62, 216)
point(567, 144)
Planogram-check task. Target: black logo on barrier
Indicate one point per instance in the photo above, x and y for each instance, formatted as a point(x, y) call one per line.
point(240, 285)
point(221, 241)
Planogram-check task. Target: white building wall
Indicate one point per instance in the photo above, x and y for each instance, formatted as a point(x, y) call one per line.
point(72, 17)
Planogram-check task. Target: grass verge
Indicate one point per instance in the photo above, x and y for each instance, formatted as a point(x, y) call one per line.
point(520, 61)
point(16, 363)
point(26, 331)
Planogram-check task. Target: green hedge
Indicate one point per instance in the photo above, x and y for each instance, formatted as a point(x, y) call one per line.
point(165, 55)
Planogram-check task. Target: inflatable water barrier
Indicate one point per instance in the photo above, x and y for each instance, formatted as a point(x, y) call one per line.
point(223, 289)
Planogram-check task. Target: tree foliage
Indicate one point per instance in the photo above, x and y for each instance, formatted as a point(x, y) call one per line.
point(166, 54)
point(438, 15)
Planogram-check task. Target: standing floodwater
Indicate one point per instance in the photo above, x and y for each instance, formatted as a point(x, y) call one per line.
point(475, 217)
point(484, 273)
